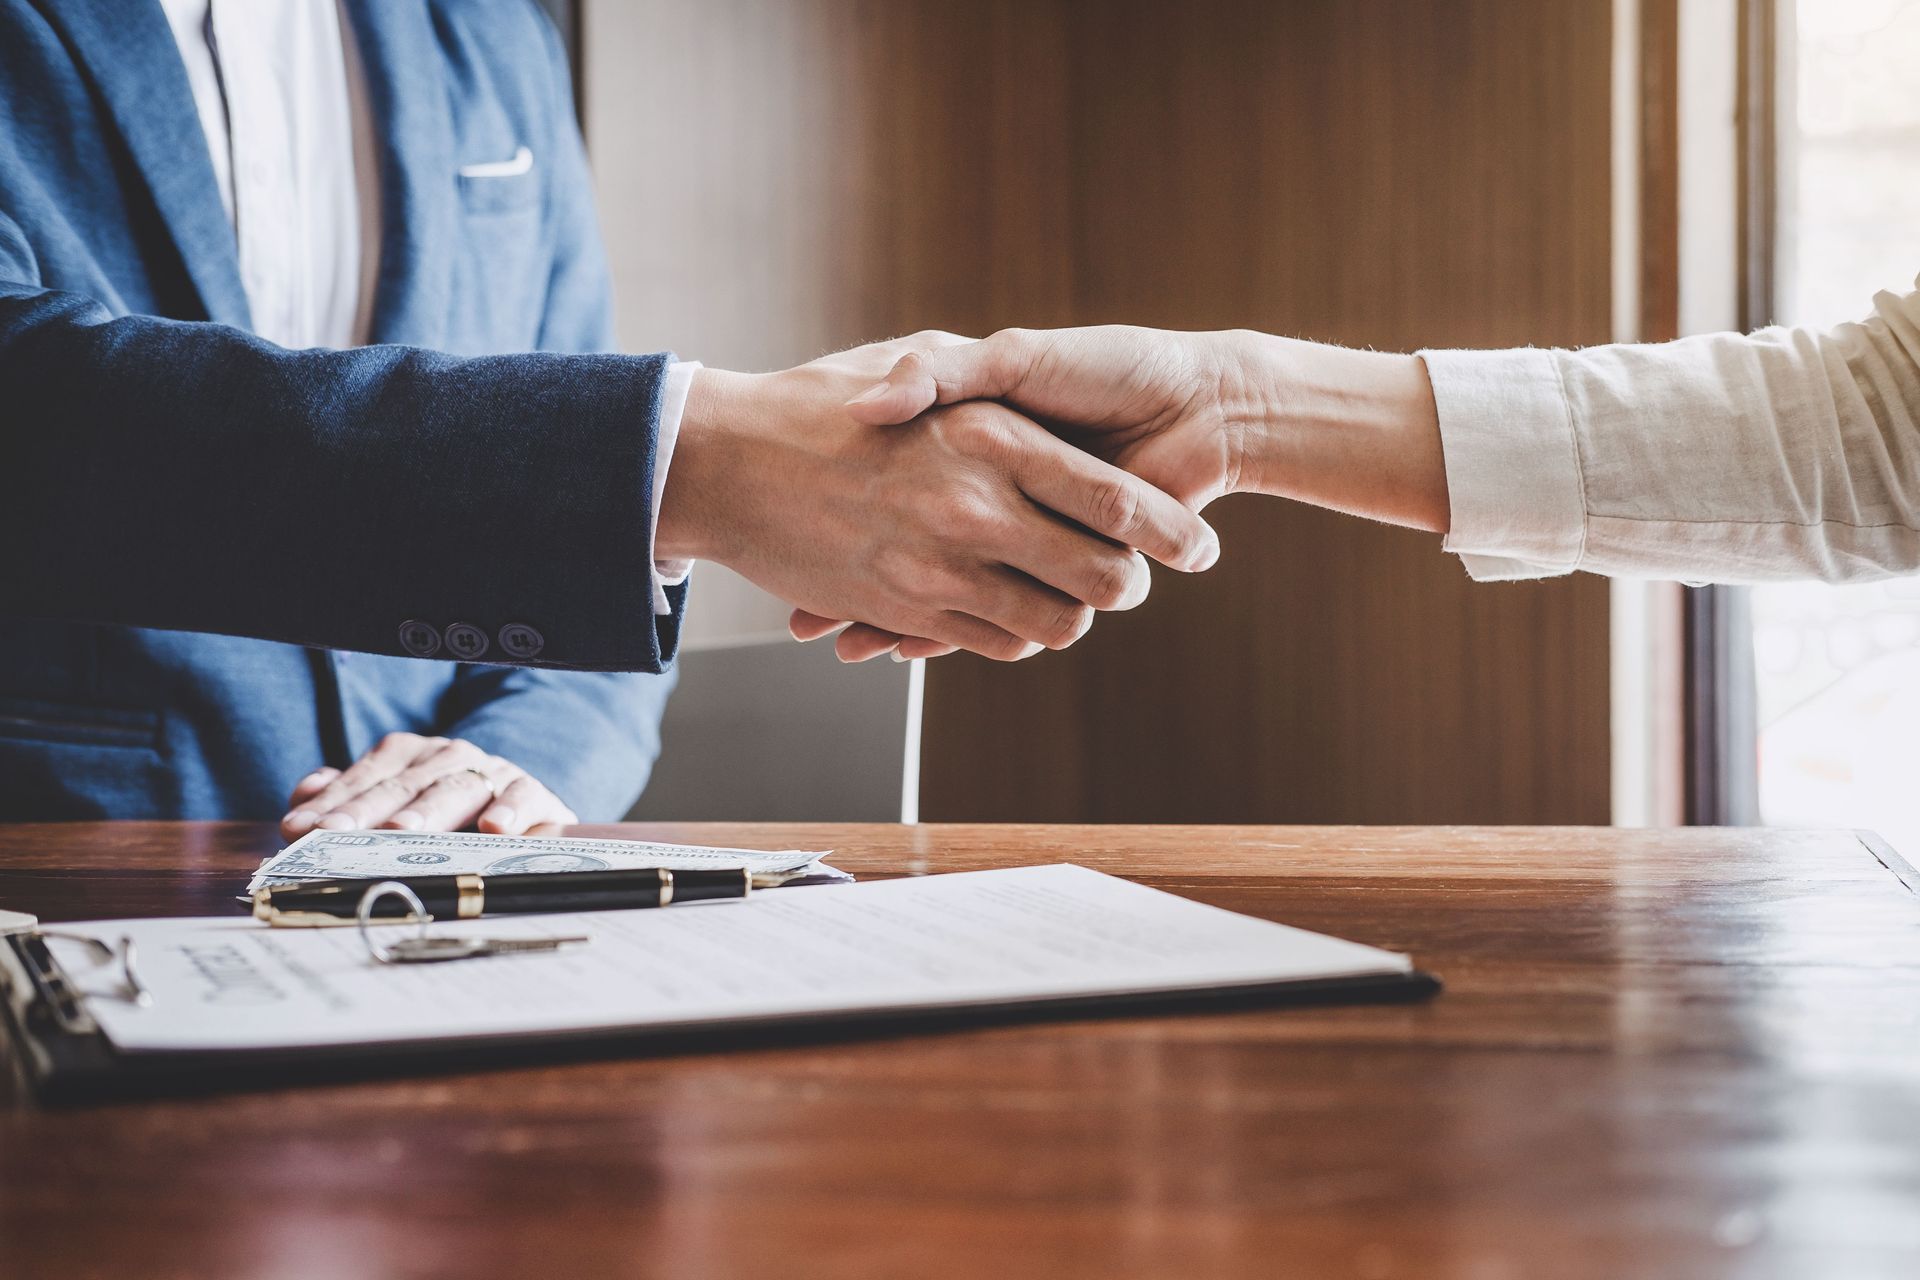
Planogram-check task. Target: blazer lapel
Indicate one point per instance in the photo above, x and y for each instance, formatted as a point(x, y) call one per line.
point(136, 69)
point(407, 97)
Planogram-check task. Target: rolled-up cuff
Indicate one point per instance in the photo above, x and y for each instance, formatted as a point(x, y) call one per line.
point(1513, 463)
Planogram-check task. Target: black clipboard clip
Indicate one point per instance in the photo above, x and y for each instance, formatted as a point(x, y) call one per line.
point(63, 995)
point(48, 1037)
point(56, 991)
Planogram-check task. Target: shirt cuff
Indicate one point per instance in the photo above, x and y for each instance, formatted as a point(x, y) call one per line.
point(673, 406)
point(1513, 463)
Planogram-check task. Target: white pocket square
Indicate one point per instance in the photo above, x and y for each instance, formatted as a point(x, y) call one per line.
point(522, 162)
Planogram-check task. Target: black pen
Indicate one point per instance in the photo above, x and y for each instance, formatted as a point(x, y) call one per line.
point(465, 897)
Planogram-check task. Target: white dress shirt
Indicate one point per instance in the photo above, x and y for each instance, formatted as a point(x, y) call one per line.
point(277, 87)
point(271, 84)
point(1787, 453)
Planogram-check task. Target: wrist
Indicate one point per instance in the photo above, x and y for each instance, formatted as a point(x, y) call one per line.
point(1355, 431)
point(1247, 375)
point(694, 522)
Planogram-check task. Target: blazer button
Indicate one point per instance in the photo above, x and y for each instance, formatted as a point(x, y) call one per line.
point(419, 638)
point(521, 641)
point(466, 640)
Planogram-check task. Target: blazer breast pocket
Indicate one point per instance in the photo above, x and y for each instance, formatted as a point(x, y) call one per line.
point(500, 280)
point(507, 185)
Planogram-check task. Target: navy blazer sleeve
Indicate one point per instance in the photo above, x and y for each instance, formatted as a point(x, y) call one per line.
point(190, 476)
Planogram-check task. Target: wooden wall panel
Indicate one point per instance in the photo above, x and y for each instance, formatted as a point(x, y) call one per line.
point(1387, 172)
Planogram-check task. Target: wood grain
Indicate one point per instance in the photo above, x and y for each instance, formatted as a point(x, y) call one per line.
point(1390, 172)
point(1399, 175)
point(1661, 1053)
point(1659, 197)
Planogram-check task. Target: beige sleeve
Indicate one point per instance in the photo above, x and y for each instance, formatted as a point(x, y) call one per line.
point(1785, 453)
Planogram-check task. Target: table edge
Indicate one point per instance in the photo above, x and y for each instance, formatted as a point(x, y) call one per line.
point(1890, 858)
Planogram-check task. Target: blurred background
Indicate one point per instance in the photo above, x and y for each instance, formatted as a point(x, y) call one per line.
point(780, 178)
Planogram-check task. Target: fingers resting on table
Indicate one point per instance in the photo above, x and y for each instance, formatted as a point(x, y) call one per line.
point(416, 782)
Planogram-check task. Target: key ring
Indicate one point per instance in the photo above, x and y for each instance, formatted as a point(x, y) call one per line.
point(371, 898)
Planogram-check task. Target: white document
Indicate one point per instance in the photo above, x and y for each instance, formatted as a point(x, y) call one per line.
point(975, 938)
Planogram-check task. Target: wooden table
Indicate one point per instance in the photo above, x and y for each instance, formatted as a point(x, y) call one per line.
point(1660, 1054)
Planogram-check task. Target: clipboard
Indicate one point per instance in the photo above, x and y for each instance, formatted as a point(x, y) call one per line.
point(259, 1005)
point(55, 1045)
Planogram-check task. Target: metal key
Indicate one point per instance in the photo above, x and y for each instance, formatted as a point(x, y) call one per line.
point(427, 950)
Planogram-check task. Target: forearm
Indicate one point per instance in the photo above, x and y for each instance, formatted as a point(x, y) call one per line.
point(1728, 457)
point(192, 477)
point(1355, 431)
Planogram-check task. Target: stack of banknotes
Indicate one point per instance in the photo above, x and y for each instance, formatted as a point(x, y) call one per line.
point(392, 855)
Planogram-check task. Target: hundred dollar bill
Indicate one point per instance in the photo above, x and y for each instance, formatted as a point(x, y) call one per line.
point(380, 855)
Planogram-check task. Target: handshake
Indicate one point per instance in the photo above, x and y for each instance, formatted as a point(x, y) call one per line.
point(933, 493)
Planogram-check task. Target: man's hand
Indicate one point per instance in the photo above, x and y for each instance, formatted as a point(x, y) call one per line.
point(1145, 400)
point(969, 525)
point(1156, 402)
point(1197, 414)
point(415, 783)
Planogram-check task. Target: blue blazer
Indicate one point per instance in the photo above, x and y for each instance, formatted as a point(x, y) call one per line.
point(196, 524)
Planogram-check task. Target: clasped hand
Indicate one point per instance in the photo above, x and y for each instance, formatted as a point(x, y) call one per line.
point(1150, 406)
point(967, 525)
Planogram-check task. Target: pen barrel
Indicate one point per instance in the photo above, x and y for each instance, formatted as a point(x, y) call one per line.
point(609, 890)
point(572, 891)
point(465, 896)
point(705, 886)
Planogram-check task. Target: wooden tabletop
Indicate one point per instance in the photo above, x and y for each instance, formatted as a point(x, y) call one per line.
point(1676, 1053)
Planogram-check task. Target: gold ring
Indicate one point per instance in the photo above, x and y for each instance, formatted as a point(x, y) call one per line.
point(488, 782)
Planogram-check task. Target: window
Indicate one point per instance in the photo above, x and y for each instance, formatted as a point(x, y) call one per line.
point(1837, 669)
